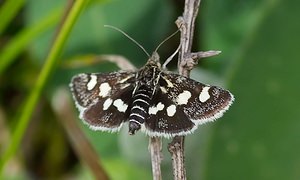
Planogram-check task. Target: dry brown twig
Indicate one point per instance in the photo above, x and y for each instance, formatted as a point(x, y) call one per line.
point(186, 23)
point(62, 107)
point(186, 62)
point(155, 148)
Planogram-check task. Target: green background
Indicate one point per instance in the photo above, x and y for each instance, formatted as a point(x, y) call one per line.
point(258, 138)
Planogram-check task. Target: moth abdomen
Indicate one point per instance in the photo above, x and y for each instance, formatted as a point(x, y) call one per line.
point(139, 109)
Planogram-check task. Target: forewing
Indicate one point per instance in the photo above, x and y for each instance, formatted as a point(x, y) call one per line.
point(181, 104)
point(201, 103)
point(103, 98)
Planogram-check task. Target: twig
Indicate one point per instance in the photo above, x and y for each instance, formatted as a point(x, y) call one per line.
point(120, 61)
point(176, 148)
point(186, 24)
point(86, 153)
point(203, 54)
point(93, 59)
point(155, 147)
point(43, 77)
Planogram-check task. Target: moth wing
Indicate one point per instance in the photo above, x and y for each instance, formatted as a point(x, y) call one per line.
point(165, 119)
point(200, 102)
point(103, 98)
point(181, 104)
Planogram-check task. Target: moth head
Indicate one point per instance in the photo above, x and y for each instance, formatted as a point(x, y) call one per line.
point(154, 60)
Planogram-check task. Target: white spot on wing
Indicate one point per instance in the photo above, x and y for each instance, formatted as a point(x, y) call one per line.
point(104, 89)
point(214, 116)
point(92, 83)
point(183, 97)
point(204, 95)
point(154, 110)
point(107, 103)
point(171, 110)
point(160, 106)
point(120, 105)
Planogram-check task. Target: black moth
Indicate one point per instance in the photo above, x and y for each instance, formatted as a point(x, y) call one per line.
point(153, 100)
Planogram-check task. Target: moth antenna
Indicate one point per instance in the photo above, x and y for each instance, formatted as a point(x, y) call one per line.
point(169, 37)
point(125, 34)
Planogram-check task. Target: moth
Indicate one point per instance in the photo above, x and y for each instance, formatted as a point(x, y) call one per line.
point(156, 101)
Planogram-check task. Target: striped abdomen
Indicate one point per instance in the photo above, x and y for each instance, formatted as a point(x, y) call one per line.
point(139, 109)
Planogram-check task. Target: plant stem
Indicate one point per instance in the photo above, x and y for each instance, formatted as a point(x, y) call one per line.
point(176, 148)
point(18, 43)
point(155, 147)
point(8, 11)
point(186, 23)
point(43, 77)
point(62, 106)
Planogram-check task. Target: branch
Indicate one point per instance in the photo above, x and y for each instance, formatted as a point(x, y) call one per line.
point(186, 23)
point(61, 104)
point(176, 148)
point(155, 147)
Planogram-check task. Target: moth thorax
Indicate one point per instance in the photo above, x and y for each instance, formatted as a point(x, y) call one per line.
point(149, 75)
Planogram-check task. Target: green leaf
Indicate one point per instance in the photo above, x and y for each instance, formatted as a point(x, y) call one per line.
point(259, 137)
point(34, 95)
point(8, 11)
point(16, 45)
point(122, 169)
point(89, 35)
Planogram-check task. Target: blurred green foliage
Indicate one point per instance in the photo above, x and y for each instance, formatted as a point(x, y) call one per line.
point(258, 138)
